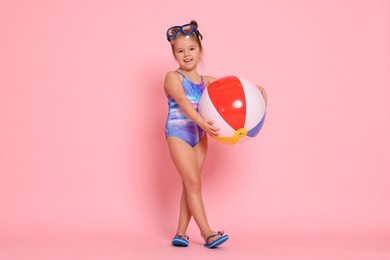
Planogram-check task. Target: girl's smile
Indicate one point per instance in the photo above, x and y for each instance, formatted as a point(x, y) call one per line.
point(187, 53)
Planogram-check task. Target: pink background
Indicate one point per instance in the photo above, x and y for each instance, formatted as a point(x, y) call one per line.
point(82, 114)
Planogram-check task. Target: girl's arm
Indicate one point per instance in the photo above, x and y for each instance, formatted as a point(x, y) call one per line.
point(173, 88)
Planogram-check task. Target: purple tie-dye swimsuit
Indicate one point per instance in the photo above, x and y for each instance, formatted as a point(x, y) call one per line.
point(178, 124)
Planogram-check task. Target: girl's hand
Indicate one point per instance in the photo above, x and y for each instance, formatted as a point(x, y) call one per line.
point(207, 126)
point(264, 94)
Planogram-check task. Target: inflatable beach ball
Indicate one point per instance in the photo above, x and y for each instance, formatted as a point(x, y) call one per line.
point(237, 108)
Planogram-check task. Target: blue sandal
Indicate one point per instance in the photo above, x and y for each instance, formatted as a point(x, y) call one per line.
point(180, 240)
point(217, 242)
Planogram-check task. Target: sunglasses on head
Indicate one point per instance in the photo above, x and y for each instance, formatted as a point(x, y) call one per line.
point(186, 29)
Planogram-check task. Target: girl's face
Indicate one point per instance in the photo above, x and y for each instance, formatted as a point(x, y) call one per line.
point(187, 52)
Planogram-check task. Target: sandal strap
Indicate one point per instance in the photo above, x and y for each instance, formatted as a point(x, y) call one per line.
point(182, 236)
point(213, 235)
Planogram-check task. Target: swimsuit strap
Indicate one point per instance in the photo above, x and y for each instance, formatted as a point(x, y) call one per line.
point(180, 73)
point(201, 77)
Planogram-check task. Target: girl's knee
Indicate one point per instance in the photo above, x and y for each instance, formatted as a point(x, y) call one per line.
point(193, 184)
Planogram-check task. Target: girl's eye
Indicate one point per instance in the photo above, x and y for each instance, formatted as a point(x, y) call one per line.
point(179, 51)
point(193, 48)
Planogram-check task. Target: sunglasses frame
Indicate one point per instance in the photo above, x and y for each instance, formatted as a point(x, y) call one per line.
point(181, 31)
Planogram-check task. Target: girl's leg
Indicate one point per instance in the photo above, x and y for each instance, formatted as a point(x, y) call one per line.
point(201, 151)
point(189, 162)
point(185, 213)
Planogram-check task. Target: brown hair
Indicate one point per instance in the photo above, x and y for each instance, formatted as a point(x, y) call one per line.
point(197, 37)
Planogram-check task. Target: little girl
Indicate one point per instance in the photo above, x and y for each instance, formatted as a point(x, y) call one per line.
point(186, 130)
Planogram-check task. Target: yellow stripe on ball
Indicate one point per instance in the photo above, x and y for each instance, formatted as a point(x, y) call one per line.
point(226, 140)
point(240, 133)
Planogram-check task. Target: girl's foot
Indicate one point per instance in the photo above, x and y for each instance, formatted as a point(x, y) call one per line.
point(215, 239)
point(180, 240)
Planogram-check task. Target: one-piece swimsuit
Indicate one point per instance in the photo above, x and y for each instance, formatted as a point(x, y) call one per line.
point(178, 124)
